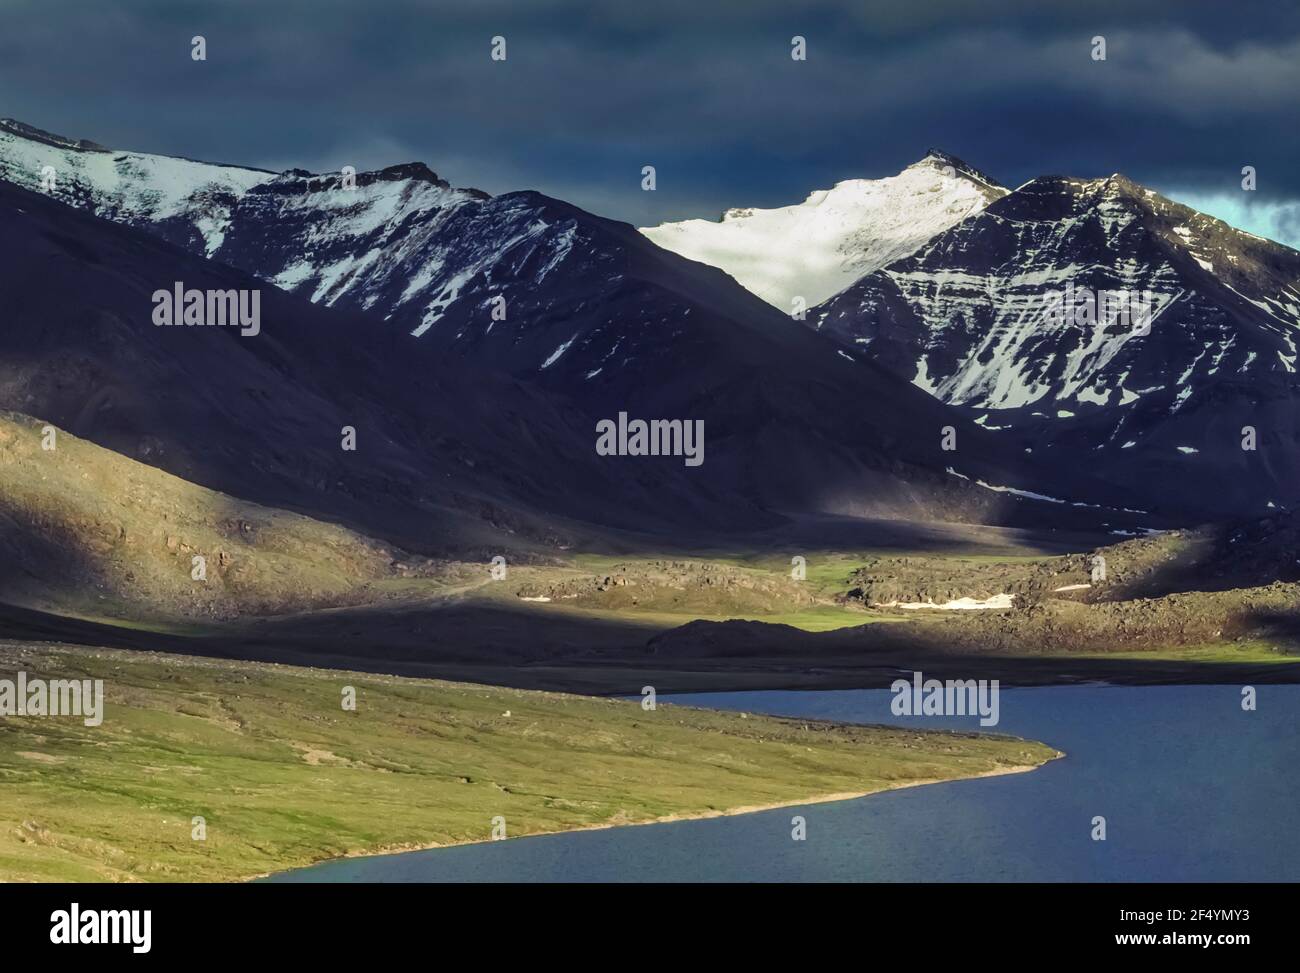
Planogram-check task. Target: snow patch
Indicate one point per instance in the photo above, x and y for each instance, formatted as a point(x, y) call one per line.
point(959, 604)
point(555, 355)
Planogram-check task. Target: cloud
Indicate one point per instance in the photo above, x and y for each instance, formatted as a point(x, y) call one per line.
point(1275, 219)
point(1191, 90)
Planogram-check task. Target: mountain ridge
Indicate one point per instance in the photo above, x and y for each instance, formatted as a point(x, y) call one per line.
point(597, 315)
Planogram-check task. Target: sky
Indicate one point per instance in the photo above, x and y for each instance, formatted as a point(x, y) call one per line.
point(706, 91)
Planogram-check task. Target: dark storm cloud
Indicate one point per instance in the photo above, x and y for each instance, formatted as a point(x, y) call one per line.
point(1190, 91)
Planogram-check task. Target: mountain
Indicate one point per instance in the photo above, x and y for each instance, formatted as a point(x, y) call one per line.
point(447, 458)
point(816, 248)
point(1154, 396)
point(597, 321)
point(191, 201)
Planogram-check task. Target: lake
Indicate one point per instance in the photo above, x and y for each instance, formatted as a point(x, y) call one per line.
point(1193, 789)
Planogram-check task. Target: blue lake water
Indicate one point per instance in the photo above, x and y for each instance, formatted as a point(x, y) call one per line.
point(1192, 788)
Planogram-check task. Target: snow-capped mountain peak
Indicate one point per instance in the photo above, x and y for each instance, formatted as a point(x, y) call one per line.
point(1097, 314)
point(952, 166)
point(35, 134)
point(400, 237)
point(814, 249)
point(195, 198)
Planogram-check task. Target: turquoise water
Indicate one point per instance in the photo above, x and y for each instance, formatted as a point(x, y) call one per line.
point(1192, 789)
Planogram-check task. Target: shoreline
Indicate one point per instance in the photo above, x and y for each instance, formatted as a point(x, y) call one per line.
point(1013, 673)
point(673, 818)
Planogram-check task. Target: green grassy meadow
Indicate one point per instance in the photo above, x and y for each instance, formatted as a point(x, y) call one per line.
point(284, 776)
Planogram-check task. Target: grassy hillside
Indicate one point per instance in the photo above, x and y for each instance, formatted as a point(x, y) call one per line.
point(285, 776)
point(87, 531)
point(87, 534)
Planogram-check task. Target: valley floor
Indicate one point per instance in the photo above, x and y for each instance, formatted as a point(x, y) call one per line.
point(1172, 610)
point(97, 549)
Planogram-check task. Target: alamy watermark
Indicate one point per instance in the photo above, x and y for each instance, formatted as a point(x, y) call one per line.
point(26, 696)
point(653, 437)
point(1083, 307)
point(219, 308)
point(75, 926)
point(951, 697)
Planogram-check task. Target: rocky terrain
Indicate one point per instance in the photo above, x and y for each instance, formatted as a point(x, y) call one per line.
point(708, 588)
